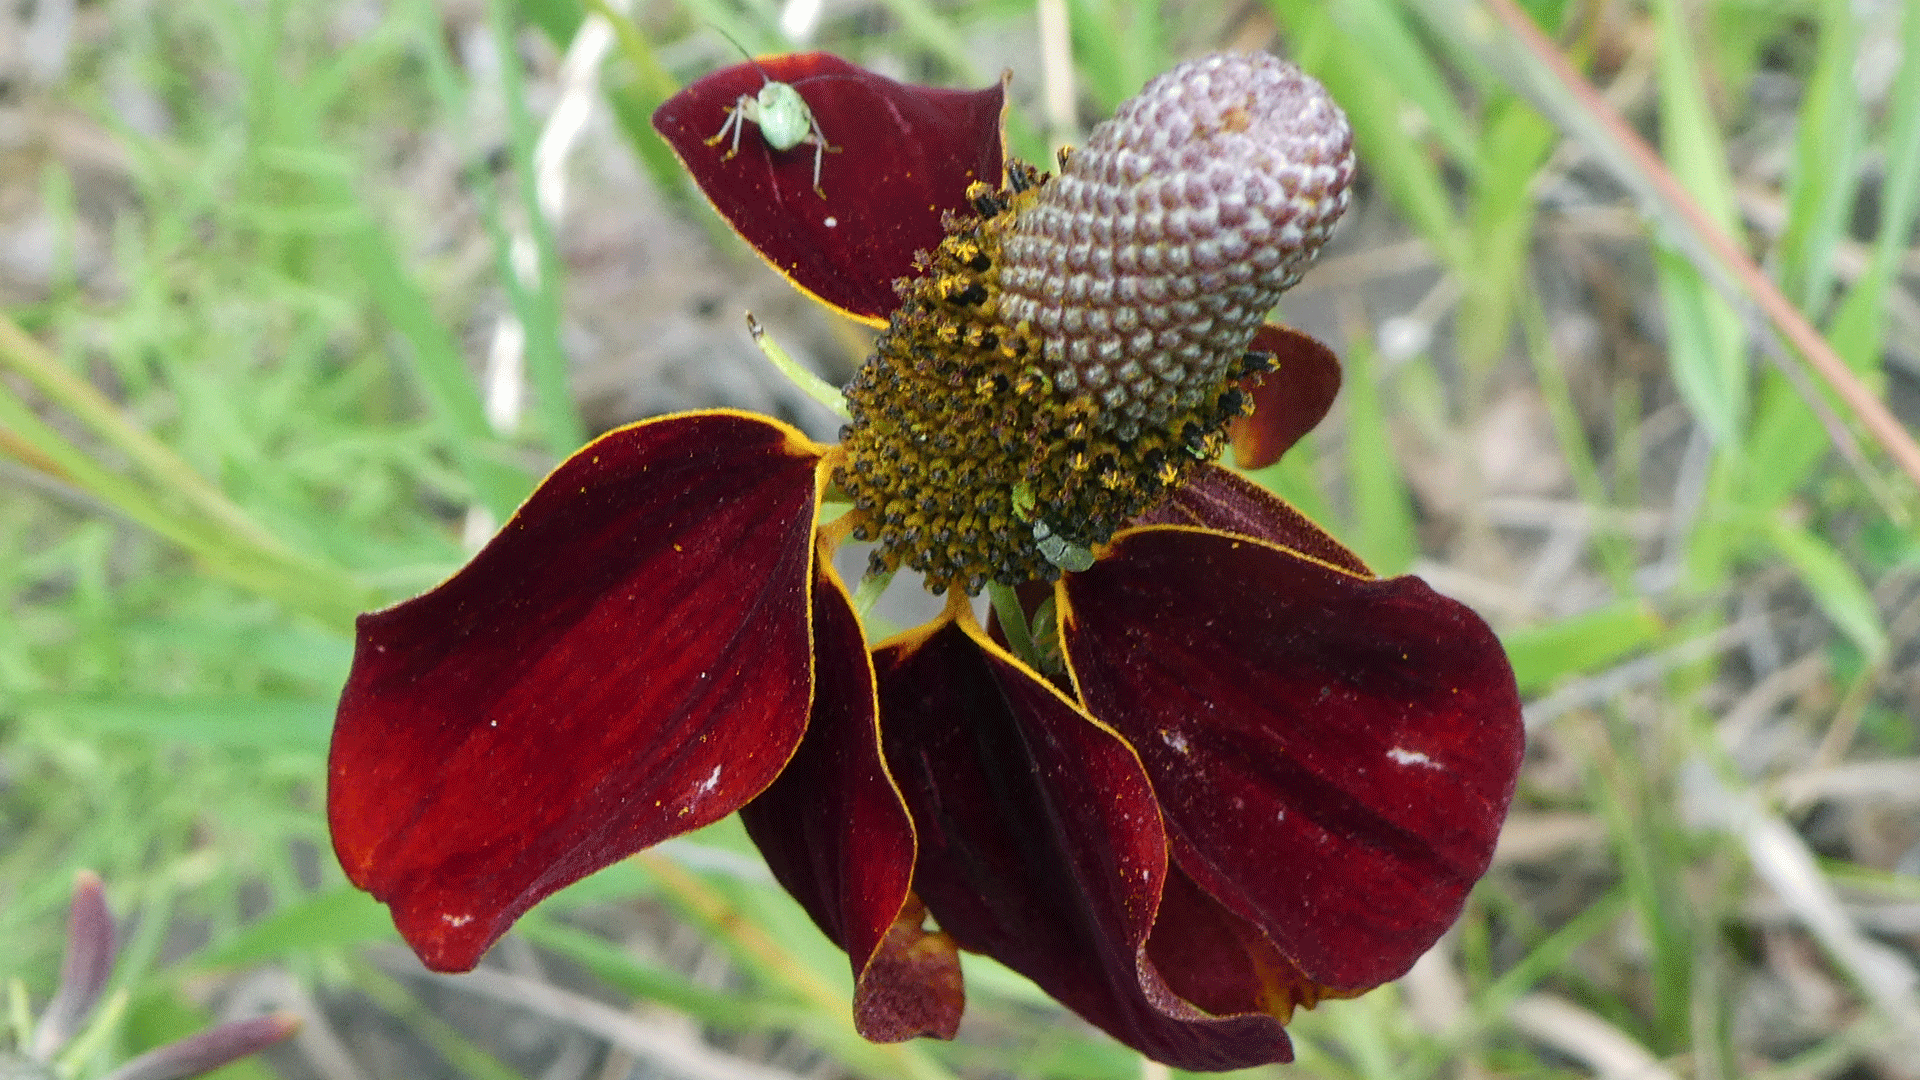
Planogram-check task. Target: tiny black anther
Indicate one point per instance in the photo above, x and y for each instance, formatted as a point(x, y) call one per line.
point(1256, 362)
point(1022, 176)
point(980, 263)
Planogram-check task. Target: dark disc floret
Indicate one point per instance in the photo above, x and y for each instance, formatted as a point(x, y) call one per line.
point(1069, 351)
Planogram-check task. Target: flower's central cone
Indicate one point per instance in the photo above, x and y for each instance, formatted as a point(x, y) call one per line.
point(1069, 353)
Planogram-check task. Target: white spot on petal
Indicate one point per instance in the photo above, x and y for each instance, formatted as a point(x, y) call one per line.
point(831, 223)
point(1175, 740)
point(712, 781)
point(456, 920)
point(1400, 755)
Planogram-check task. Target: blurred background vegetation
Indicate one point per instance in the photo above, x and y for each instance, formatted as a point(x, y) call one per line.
point(300, 299)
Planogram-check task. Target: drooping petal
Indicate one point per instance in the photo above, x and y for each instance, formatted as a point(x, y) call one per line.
point(1221, 962)
point(1361, 736)
point(901, 156)
point(1040, 844)
point(837, 836)
point(1213, 498)
point(629, 659)
point(1287, 403)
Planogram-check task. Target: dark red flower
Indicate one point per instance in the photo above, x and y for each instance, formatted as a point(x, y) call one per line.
point(1237, 774)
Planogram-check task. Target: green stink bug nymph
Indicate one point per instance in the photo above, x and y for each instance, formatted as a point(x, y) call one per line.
point(785, 121)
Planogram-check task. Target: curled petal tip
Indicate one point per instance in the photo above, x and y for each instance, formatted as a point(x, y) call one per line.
point(1289, 400)
point(912, 987)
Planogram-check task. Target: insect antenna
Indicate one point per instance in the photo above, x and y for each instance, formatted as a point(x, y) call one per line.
point(735, 42)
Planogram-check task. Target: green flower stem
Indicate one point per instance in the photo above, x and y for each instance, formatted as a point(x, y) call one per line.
point(810, 384)
point(772, 963)
point(869, 592)
point(1013, 623)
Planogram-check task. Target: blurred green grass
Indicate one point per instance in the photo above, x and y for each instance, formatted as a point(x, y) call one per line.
point(251, 407)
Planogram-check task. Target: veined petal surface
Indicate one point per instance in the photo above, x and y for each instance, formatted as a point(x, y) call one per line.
point(836, 835)
point(1041, 845)
point(629, 659)
point(1362, 736)
point(1214, 498)
point(1287, 403)
point(903, 155)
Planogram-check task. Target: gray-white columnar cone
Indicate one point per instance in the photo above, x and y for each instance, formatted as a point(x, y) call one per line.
point(1149, 263)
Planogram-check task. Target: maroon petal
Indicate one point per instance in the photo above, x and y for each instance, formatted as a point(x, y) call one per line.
point(1361, 736)
point(903, 156)
point(628, 660)
point(1221, 962)
point(837, 836)
point(1213, 498)
point(1287, 403)
point(1040, 844)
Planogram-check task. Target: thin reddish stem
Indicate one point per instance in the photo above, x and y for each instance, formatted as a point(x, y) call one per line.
point(1791, 324)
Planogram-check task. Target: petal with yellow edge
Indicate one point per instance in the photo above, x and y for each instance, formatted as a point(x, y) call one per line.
point(1214, 498)
point(896, 158)
point(836, 836)
point(1363, 736)
point(628, 660)
point(1041, 844)
point(1288, 401)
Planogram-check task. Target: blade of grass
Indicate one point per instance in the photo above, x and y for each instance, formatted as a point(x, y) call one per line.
point(1860, 325)
point(1373, 107)
point(647, 981)
point(1836, 589)
point(1506, 39)
point(535, 296)
point(1380, 29)
point(301, 584)
point(1107, 67)
point(1706, 343)
point(1545, 653)
point(1514, 144)
point(1624, 793)
point(935, 32)
point(1825, 169)
point(1384, 531)
point(1547, 957)
point(1614, 548)
point(401, 1003)
point(164, 468)
point(771, 961)
point(1789, 440)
